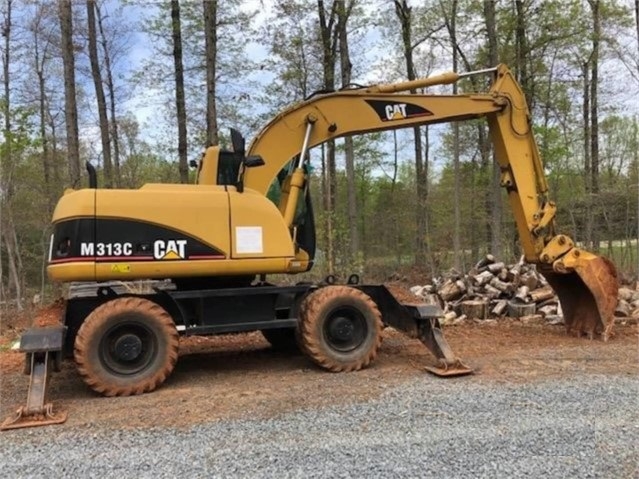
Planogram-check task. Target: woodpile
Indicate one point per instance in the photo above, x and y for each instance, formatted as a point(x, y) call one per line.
point(492, 289)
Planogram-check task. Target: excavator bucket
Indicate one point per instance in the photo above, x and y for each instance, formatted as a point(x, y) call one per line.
point(587, 286)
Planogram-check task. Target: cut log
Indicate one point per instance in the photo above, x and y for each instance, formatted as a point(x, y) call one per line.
point(548, 310)
point(554, 301)
point(502, 286)
point(475, 309)
point(517, 309)
point(485, 261)
point(448, 318)
point(483, 278)
point(503, 275)
point(626, 294)
point(451, 290)
point(500, 308)
point(495, 268)
point(529, 279)
point(429, 289)
point(433, 299)
point(417, 290)
point(623, 309)
point(491, 293)
point(542, 294)
point(515, 271)
point(522, 294)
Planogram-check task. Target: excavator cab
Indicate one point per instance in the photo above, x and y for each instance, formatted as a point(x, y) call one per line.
point(224, 167)
point(218, 167)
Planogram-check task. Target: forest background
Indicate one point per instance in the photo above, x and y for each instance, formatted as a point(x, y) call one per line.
point(140, 88)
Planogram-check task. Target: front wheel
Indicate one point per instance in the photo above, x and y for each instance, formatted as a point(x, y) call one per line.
point(126, 346)
point(340, 328)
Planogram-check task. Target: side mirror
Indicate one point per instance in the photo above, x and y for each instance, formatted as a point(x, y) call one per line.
point(253, 161)
point(193, 163)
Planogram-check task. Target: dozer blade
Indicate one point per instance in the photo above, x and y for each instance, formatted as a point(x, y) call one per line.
point(587, 286)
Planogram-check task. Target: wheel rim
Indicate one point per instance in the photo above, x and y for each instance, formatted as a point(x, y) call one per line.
point(345, 329)
point(128, 348)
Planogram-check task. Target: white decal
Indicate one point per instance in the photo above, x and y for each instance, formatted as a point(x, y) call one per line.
point(169, 249)
point(248, 239)
point(106, 249)
point(86, 249)
point(396, 111)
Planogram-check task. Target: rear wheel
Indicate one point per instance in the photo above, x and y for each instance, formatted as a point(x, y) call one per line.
point(126, 346)
point(340, 328)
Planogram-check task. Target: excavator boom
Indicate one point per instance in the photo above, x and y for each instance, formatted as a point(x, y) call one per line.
point(585, 283)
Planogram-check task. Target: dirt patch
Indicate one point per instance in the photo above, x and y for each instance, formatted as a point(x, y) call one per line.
point(14, 323)
point(51, 315)
point(402, 293)
point(241, 376)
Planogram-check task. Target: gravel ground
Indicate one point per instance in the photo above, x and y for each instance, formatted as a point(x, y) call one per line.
point(583, 427)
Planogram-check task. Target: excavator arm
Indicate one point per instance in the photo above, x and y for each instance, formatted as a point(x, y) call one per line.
point(585, 283)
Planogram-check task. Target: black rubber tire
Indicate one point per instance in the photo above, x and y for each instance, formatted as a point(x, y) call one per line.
point(116, 321)
point(326, 312)
point(281, 339)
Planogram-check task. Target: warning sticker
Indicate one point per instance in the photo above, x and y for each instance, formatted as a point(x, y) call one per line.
point(121, 268)
point(248, 239)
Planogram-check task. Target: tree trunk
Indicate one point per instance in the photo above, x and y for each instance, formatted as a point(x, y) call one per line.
point(99, 93)
point(111, 88)
point(39, 60)
point(46, 154)
point(587, 134)
point(210, 36)
point(496, 203)
point(180, 103)
point(522, 53)
point(594, 118)
point(343, 13)
point(12, 256)
point(404, 14)
point(7, 224)
point(6, 57)
point(5, 184)
point(329, 44)
point(457, 251)
point(70, 105)
point(637, 25)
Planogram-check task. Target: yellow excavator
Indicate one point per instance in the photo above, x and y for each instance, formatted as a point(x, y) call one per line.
point(209, 246)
